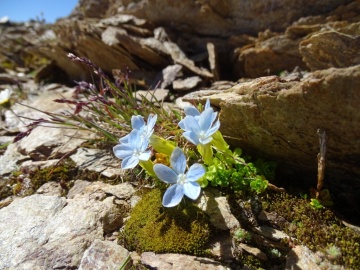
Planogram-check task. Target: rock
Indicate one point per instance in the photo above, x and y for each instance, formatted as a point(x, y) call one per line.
point(301, 257)
point(180, 58)
point(104, 255)
point(271, 56)
point(56, 233)
point(259, 117)
point(223, 18)
point(97, 160)
point(178, 262)
point(186, 84)
point(271, 233)
point(169, 74)
point(10, 159)
point(218, 209)
point(40, 144)
point(254, 251)
point(37, 102)
point(120, 191)
point(77, 188)
point(156, 96)
point(50, 189)
point(222, 246)
point(331, 49)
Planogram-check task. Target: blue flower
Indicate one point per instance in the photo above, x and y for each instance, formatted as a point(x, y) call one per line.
point(183, 184)
point(193, 112)
point(199, 128)
point(133, 151)
point(138, 123)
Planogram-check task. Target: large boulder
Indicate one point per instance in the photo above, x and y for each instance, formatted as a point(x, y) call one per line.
point(52, 232)
point(279, 119)
point(226, 17)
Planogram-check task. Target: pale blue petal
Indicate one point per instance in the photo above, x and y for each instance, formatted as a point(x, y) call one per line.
point(213, 129)
point(191, 124)
point(191, 137)
point(191, 110)
point(143, 144)
point(145, 155)
point(184, 124)
point(165, 174)
point(173, 195)
point(178, 161)
point(151, 121)
point(129, 162)
point(214, 116)
point(137, 122)
point(206, 119)
point(207, 104)
point(122, 151)
point(192, 190)
point(136, 141)
point(206, 140)
point(195, 172)
point(124, 139)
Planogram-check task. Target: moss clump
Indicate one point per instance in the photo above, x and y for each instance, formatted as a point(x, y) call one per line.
point(317, 228)
point(152, 227)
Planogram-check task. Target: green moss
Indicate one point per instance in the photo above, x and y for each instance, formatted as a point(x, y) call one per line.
point(318, 229)
point(152, 227)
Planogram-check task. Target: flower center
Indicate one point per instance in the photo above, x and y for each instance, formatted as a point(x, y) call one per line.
point(182, 179)
point(202, 135)
point(137, 152)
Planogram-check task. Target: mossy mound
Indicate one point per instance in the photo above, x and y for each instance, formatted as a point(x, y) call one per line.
point(152, 227)
point(319, 229)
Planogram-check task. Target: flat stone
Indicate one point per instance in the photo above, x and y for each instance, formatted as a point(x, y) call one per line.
point(218, 209)
point(97, 160)
point(179, 262)
point(186, 84)
point(105, 255)
point(51, 232)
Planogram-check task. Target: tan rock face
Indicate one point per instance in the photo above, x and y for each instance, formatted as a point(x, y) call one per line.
point(226, 17)
point(331, 49)
point(277, 118)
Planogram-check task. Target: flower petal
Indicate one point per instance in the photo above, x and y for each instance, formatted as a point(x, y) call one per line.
point(151, 121)
point(165, 174)
point(207, 104)
point(191, 110)
point(145, 155)
point(213, 129)
point(192, 190)
point(137, 122)
point(183, 124)
point(206, 119)
point(205, 140)
point(173, 195)
point(122, 151)
point(178, 161)
point(191, 137)
point(129, 162)
point(195, 172)
point(124, 139)
point(191, 124)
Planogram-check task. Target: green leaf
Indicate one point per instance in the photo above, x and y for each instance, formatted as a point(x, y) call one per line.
point(218, 141)
point(206, 152)
point(148, 167)
point(259, 185)
point(161, 145)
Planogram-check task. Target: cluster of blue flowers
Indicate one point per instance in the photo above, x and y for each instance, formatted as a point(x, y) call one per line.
point(198, 129)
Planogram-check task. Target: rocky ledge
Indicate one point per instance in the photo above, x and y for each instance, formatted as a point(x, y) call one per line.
point(275, 81)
